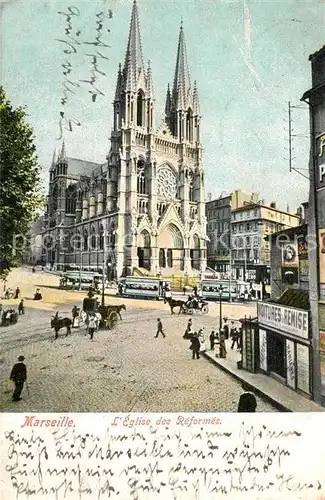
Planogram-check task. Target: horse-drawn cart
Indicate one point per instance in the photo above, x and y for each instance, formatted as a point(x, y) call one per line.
point(107, 315)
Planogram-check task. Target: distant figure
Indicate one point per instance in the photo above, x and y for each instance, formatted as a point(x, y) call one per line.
point(195, 346)
point(246, 295)
point(222, 345)
point(33, 269)
point(202, 341)
point(159, 328)
point(75, 317)
point(226, 328)
point(212, 337)
point(184, 290)
point(18, 376)
point(21, 308)
point(42, 269)
point(17, 293)
point(38, 295)
point(92, 325)
point(188, 330)
point(247, 401)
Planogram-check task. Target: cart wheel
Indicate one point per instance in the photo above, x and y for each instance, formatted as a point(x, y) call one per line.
point(205, 309)
point(112, 320)
point(190, 311)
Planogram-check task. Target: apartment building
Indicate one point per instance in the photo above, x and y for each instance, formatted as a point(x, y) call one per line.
point(250, 249)
point(218, 214)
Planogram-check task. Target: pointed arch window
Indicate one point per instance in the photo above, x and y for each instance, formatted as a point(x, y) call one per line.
point(101, 237)
point(141, 178)
point(189, 125)
point(140, 109)
point(190, 187)
point(85, 240)
point(70, 201)
point(93, 239)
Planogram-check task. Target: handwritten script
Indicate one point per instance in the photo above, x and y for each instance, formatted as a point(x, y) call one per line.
point(166, 456)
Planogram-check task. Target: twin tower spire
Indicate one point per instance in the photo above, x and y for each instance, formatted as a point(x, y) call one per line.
point(135, 88)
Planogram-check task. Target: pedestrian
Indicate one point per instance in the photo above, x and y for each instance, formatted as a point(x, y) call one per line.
point(18, 376)
point(216, 345)
point(188, 330)
point(246, 295)
point(202, 340)
point(226, 328)
point(212, 338)
point(233, 334)
point(222, 345)
point(247, 401)
point(159, 328)
point(91, 325)
point(21, 308)
point(195, 346)
point(33, 269)
point(184, 290)
point(75, 317)
point(17, 293)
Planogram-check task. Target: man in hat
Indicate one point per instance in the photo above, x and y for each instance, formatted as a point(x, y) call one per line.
point(18, 376)
point(159, 328)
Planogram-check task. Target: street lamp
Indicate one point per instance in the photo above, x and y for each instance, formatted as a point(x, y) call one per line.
point(220, 290)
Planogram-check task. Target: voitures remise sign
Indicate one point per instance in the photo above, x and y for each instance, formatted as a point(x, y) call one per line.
point(285, 319)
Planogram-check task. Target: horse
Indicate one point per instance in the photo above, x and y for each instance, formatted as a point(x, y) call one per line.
point(58, 323)
point(174, 303)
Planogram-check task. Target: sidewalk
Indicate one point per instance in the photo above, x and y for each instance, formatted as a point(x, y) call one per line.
point(282, 397)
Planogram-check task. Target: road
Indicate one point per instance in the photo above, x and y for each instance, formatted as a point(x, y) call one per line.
point(121, 370)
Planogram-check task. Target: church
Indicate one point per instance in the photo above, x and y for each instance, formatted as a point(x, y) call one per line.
point(143, 210)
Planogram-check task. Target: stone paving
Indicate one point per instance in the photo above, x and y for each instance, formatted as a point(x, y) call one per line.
point(122, 370)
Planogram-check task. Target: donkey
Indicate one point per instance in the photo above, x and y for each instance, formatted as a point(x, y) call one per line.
point(58, 323)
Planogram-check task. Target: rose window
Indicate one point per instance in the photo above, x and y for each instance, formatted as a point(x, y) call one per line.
point(167, 183)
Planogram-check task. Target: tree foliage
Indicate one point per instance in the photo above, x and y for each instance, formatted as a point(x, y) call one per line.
point(20, 184)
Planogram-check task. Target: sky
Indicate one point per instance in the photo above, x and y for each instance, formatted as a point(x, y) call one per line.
point(249, 58)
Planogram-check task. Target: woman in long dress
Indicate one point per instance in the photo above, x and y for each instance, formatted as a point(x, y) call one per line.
point(202, 341)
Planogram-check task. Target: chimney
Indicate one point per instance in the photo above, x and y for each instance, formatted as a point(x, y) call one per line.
point(288, 209)
point(273, 204)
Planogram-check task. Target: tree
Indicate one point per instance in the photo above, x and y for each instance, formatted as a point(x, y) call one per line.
point(20, 184)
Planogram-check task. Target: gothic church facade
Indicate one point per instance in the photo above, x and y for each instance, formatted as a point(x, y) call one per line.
point(144, 208)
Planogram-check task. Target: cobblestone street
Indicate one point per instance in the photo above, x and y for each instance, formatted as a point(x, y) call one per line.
point(122, 370)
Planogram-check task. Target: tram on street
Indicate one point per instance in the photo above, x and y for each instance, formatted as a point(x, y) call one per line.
point(212, 289)
point(73, 280)
point(143, 287)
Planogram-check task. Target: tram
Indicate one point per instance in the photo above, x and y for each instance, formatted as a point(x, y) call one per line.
point(143, 287)
point(212, 289)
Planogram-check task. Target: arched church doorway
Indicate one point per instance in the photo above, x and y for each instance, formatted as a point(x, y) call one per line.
point(144, 250)
point(171, 248)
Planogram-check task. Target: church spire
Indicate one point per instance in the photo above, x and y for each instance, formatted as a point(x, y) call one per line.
point(150, 92)
point(133, 64)
point(182, 81)
point(62, 156)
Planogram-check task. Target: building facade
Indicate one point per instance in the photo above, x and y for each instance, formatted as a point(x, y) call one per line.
point(144, 207)
point(289, 260)
point(315, 97)
point(250, 225)
point(218, 214)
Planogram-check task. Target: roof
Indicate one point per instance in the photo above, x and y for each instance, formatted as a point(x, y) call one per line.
point(297, 298)
point(257, 205)
point(77, 166)
point(290, 231)
point(317, 53)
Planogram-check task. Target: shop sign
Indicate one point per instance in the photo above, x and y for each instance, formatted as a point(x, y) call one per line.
point(303, 368)
point(291, 365)
point(322, 263)
point(290, 254)
point(285, 319)
point(290, 275)
point(302, 247)
point(322, 340)
point(263, 350)
point(320, 161)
